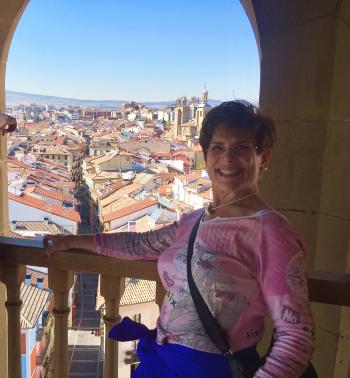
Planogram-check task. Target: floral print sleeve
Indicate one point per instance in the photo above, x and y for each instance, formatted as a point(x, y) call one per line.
point(283, 282)
point(136, 245)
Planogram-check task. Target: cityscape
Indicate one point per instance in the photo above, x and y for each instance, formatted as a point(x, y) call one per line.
point(74, 170)
point(101, 108)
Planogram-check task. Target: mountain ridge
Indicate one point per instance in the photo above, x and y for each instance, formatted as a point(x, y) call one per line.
point(18, 98)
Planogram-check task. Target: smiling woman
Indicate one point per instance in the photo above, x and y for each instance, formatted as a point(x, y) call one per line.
point(246, 261)
point(309, 178)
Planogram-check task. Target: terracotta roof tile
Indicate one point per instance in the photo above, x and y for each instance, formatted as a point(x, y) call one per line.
point(37, 125)
point(54, 164)
point(197, 148)
point(18, 163)
point(15, 235)
point(143, 204)
point(113, 195)
point(27, 227)
point(55, 184)
point(35, 274)
point(34, 301)
point(52, 194)
point(165, 190)
point(41, 205)
point(136, 291)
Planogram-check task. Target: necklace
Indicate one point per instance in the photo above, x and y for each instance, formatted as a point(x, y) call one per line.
point(210, 210)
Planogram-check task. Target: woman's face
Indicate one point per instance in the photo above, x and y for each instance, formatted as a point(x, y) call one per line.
point(232, 161)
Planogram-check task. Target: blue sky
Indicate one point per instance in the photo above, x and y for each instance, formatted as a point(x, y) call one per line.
point(142, 50)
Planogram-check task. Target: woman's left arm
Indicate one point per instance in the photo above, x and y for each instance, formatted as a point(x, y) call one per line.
point(283, 282)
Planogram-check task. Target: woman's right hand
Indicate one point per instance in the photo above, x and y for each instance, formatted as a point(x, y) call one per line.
point(54, 243)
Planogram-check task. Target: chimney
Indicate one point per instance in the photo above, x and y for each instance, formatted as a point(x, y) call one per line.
point(27, 280)
point(46, 220)
point(132, 226)
point(13, 224)
point(39, 282)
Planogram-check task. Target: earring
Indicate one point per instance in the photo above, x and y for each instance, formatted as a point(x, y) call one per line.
point(265, 169)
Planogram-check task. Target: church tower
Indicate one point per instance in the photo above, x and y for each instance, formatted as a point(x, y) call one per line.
point(204, 96)
point(202, 109)
point(182, 115)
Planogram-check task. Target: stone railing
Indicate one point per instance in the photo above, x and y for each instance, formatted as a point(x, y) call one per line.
point(15, 254)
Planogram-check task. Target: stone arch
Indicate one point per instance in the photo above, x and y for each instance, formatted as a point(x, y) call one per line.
point(304, 55)
point(249, 9)
point(11, 12)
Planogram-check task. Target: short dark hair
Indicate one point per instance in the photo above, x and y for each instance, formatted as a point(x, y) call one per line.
point(239, 114)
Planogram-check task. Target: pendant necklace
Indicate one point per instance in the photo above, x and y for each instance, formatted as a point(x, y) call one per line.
point(210, 210)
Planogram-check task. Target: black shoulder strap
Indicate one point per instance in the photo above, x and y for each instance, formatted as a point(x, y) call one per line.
point(210, 324)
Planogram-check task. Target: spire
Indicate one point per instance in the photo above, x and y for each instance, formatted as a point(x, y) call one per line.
point(204, 95)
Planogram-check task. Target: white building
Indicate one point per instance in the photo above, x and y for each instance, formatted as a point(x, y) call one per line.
point(24, 208)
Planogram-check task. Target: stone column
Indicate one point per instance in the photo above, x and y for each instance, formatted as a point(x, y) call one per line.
point(342, 366)
point(10, 12)
point(4, 224)
point(60, 282)
point(13, 276)
point(112, 289)
point(305, 79)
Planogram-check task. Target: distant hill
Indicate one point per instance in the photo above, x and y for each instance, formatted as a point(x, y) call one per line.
point(17, 98)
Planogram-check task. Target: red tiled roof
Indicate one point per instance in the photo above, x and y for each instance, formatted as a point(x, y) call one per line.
point(167, 177)
point(35, 274)
point(37, 125)
point(140, 205)
point(192, 175)
point(162, 154)
point(51, 174)
point(113, 188)
point(58, 140)
point(18, 163)
point(127, 189)
point(197, 148)
point(52, 194)
point(54, 184)
point(30, 190)
point(12, 234)
point(41, 205)
point(53, 163)
point(34, 301)
point(165, 190)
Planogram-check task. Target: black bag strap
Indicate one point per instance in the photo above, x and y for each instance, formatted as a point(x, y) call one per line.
point(210, 324)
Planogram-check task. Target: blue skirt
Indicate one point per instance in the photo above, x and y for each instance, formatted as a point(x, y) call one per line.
point(169, 360)
point(178, 361)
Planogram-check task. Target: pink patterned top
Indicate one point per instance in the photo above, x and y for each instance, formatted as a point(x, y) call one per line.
point(244, 268)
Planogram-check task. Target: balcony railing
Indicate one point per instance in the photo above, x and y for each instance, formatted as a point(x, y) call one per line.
point(324, 287)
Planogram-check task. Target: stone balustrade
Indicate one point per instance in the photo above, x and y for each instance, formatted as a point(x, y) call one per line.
point(15, 254)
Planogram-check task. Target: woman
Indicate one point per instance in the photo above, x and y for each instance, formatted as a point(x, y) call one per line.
point(247, 261)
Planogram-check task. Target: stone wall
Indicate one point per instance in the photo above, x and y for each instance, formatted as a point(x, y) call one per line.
point(305, 81)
